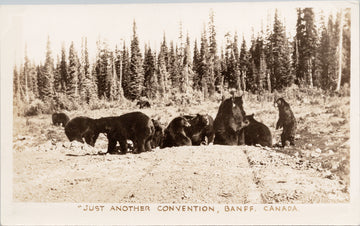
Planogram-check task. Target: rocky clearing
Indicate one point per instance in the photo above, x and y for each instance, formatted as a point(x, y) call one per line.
point(48, 168)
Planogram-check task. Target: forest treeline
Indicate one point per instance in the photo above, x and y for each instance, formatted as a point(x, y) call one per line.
point(315, 57)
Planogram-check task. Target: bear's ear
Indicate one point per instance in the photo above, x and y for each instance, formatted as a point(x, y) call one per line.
point(252, 115)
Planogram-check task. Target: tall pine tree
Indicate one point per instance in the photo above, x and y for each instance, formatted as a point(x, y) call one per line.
point(136, 68)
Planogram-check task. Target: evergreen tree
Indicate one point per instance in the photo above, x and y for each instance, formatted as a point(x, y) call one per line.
point(173, 65)
point(186, 72)
point(204, 64)
point(236, 66)
point(72, 79)
point(40, 80)
point(47, 75)
point(126, 72)
point(196, 68)
point(333, 29)
point(323, 55)
point(244, 64)
point(280, 67)
point(305, 47)
point(136, 68)
point(162, 74)
point(346, 47)
point(104, 70)
point(33, 76)
point(118, 72)
point(27, 78)
point(89, 89)
point(16, 86)
point(57, 76)
point(149, 74)
point(213, 61)
point(63, 70)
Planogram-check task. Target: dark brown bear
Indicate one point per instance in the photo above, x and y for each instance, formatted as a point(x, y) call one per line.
point(82, 127)
point(158, 135)
point(287, 121)
point(143, 104)
point(229, 122)
point(257, 133)
point(134, 126)
point(60, 118)
point(175, 134)
point(201, 130)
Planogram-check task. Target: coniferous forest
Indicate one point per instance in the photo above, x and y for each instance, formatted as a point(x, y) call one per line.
point(316, 57)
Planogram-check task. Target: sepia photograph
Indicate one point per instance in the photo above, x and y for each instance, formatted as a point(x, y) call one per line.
point(141, 113)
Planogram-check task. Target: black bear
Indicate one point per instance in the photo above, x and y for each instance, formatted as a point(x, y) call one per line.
point(134, 126)
point(82, 127)
point(158, 135)
point(229, 122)
point(201, 130)
point(287, 121)
point(143, 104)
point(257, 133)
point(175, 133)
point(60, 118)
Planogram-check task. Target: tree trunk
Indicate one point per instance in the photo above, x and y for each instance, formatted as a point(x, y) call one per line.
point(310, 78)
point(340, 52)
point(268, 80)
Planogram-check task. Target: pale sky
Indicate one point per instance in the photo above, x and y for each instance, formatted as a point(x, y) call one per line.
point(66, 23)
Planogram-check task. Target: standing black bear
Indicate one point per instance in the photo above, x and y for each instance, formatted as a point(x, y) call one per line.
point(60, 118)
point(229, 121)
point(134, 126)
point(287, 121)
point(82, 127)
point(158, 135)
point(201, 130)
point(257, 133)
point(175, 134)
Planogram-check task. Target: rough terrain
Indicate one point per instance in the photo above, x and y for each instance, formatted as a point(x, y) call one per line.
point(48, 168)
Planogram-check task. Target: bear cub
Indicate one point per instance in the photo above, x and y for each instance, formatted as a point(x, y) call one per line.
point(175, 133)
point(60, 118)
point(257, 133)
point(201, 130)
point(286, 121)
point(82, 127)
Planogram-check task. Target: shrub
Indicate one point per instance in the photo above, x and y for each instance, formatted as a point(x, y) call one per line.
point(36, 107)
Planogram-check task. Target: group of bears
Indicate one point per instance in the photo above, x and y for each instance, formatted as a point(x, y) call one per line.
point(230, 127)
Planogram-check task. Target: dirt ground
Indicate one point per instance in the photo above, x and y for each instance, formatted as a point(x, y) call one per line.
point(48, 168)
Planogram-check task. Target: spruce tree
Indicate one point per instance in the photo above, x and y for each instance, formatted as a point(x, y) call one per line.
point(305, 47)
point(136, 68)
point(119, 73)
point(47, 75)
point(126, 72)
point(16, 86)
point(162, 74)
point(204, 64)
point(186, 71)
point(172, 66)
point(33, 76)
point(27, 78)
point(72, 79)
point(213, 61)
point(57, 76)
point(280, 67)
point(63, 70)
point(196, 67)
point(149, 73)
point(244, 64)
point(346, 47)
